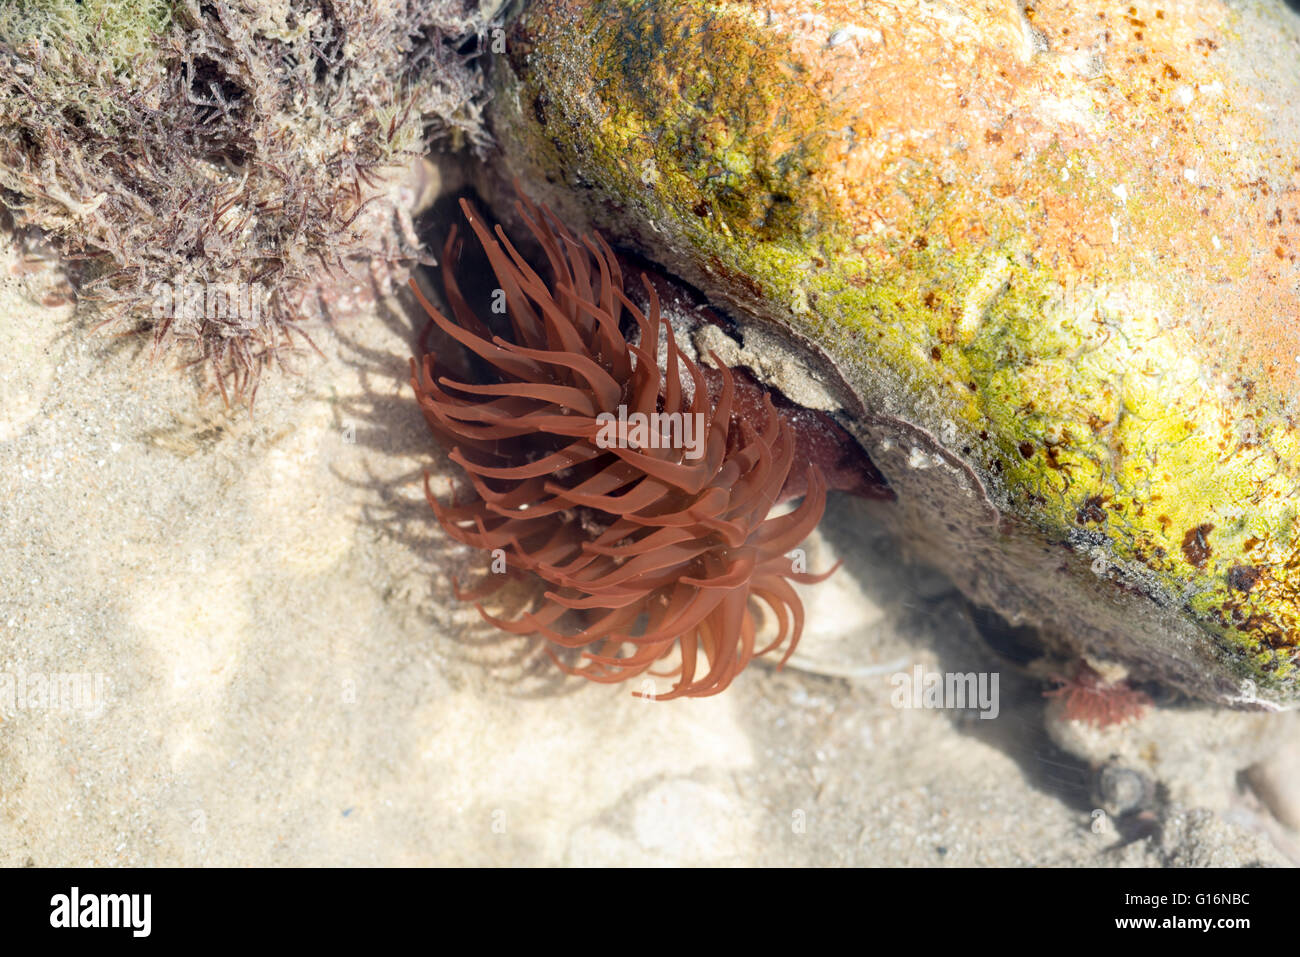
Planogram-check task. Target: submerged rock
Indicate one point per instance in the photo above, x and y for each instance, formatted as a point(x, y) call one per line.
point(1044, 257)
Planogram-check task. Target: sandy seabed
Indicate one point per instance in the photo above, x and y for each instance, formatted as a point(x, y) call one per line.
point(273, 671)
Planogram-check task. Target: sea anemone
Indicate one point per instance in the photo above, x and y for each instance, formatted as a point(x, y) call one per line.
point(645, 550)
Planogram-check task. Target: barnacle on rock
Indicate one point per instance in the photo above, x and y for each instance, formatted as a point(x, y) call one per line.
point(646, 549)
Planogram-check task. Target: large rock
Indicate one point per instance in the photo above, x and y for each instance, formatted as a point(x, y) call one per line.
point(1045, 257)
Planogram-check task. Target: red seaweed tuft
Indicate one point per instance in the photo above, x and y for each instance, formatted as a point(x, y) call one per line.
point(1090, 698)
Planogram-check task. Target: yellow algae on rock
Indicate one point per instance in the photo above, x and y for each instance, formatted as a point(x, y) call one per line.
point(1050, 249)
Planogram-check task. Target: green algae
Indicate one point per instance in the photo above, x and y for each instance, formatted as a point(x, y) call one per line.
point(116, 31)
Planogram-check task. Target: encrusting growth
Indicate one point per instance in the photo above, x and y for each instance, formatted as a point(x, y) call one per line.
point(645, 554)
